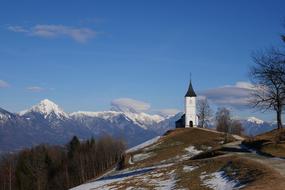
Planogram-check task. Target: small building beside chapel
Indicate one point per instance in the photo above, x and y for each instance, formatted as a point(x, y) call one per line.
point(189, 118)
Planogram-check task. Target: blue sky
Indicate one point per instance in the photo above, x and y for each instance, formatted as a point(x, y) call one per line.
point(85, 54)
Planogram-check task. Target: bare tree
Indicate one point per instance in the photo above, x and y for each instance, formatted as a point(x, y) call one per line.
point(224, 123)
point(268, 75)
point(223, 120)
point(7, 174)
point(236, 127)
point(204, 112)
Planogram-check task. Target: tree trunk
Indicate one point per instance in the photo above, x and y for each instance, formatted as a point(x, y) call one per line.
point(279, 119)
point(67, 176)
point(10, 176)
point(81, 169)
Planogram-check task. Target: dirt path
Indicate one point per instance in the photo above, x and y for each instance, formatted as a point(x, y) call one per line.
point(278, 164)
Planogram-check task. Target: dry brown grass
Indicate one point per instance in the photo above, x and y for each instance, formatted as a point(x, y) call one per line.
point(271, 143)
point(192, 179)
point(262, 177)
point(271, 135)
point(255, 175)
point(174, 144)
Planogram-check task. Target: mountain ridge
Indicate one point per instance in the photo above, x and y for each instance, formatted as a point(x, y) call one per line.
point(46, 122)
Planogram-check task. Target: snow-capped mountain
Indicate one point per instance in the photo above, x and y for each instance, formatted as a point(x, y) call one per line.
point(104, 114)
point(46, 108)
point(255, 120)
point(46, 122)
point(253, 126)
point(5, 115)
point(166, 124)
point(144, 120)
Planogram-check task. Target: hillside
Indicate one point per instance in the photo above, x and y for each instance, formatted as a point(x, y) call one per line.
point(270, 143)
point(190, 158)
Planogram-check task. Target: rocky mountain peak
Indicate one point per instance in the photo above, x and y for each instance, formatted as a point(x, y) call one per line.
point(46, 107)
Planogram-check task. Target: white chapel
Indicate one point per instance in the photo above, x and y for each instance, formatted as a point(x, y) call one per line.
point(189, 119)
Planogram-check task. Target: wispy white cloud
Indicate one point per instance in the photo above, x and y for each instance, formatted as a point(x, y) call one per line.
point(243, 85)
point(4, 84)
point(201, 97)
point(78, 34)
point(35, 89)
point(128, 104)
point(17, 29)
point(236, 96)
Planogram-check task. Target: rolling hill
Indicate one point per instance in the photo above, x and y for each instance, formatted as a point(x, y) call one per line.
point(191, 158)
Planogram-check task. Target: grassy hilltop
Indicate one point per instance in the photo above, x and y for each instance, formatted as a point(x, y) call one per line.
point(191, 158)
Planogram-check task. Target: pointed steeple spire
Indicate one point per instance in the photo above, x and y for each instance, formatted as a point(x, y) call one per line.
point(190, 92)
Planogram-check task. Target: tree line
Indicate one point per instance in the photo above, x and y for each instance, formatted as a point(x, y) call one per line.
point(223, 118)
point(53, 167)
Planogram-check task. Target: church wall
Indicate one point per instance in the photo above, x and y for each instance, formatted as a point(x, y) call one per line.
point(190, 111)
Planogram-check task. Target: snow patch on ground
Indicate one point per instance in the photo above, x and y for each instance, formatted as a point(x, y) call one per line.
point(189, 153)
point(105, 182)
point(143, 145)
point(237, 137)
point(192, 150)
point(160, 180)
point(157, 175)
point(189, 168)
point(167, 183)
point(219, 181)
point(131, 161)
point(98, 184)
point(142, 156)
point(122, 177)
point(152, 147)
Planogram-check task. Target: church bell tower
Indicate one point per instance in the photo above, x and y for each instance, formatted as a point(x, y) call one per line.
point(191, 119)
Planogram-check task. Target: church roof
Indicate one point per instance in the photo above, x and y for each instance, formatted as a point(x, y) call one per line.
point(190, 92)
